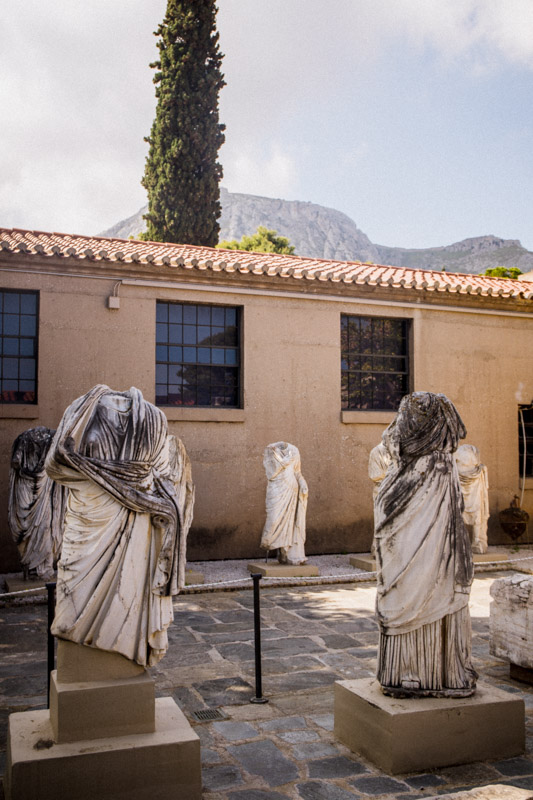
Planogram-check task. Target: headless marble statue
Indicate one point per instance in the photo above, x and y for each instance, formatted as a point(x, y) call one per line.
point(122, 543)
point(378, 463)
point(36, 504)
point(286, 503)
point(474, 480)
point(423, 556)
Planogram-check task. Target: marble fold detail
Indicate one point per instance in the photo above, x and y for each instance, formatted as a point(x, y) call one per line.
point(36, 504)
point(286, 503)
point(474, 479)
point(129, 508)
point(423, 555)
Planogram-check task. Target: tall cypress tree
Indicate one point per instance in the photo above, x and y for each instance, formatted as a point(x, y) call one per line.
point(182, 174)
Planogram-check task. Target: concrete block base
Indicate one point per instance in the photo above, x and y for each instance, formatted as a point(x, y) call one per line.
point(363, 561)
point(20, 585)
point(102, 708)
point(276, 570)
point(417, 734)
point(146, 766)
point(366, 562)
point(192, 577)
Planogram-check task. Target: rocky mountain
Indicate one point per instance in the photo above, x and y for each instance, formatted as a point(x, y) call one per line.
point(321, 232)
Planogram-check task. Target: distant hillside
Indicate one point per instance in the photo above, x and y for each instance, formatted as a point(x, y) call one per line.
point(320, 232)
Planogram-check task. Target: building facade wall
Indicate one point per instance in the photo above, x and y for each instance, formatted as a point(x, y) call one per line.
point(291, 392)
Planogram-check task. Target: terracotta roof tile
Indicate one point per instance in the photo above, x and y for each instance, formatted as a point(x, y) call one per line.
point(205, 259)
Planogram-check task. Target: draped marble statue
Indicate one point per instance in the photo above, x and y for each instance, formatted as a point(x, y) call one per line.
point(181, 473)
point(474, 480)
point(36, 504)
point(122, 541)
point(286, 503)
point(423, 556)
point(378, 463)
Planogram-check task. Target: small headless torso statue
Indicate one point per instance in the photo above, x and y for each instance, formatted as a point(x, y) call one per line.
point(474, 480)
point(286, 503)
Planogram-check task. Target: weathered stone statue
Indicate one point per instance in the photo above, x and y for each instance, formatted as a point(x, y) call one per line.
point(286, 503)
point(423, 556)
point(122, 542)
point(181, 472)
point(378, 463)
point(36, 504)
point(474, 480)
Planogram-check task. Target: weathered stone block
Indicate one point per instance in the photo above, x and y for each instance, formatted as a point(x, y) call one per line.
point(414, 734)
point(273, 570)
point(511, 620)
point(151, 766)
point(101, 709)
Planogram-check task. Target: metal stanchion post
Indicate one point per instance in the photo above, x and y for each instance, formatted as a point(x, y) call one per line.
point(257, 631)
point(51, 589)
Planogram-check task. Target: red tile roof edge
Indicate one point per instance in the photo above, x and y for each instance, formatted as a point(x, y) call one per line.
point(101, 248)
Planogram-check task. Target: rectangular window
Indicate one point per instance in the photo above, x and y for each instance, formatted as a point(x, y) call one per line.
point(374, 362)
point(197, 355)
point(19, 314)
point(525, 441)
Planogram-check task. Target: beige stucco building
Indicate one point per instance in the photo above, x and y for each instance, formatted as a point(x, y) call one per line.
point(249, 350)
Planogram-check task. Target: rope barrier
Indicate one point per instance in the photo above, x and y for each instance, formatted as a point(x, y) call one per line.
point(243, 582)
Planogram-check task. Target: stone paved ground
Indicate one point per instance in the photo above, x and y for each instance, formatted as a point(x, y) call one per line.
point(312, 636)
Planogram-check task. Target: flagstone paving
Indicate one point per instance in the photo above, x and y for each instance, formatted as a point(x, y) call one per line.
point(286, 748)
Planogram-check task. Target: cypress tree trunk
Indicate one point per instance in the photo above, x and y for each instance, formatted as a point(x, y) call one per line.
point(182, 174)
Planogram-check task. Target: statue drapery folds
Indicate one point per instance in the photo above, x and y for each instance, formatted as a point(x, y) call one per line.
point(123, 546)
point(423, 555)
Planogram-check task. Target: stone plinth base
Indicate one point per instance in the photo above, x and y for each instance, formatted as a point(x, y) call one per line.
point(193, 577)
point(276, 570)
point(102, 708)
point(20, 585)
point(416, 734)
point(366, 562)
point(363, 561)
point(149, 766)
point(483, 558)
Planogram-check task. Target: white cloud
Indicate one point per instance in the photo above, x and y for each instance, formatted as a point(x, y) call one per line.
point(269, 171)
point(481, 31)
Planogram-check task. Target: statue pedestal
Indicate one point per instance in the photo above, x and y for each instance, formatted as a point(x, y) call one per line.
point(418, 734)
point(367, 562)
point(364, 561)
point(192, 577)
point(106, 737)
point(275, 570)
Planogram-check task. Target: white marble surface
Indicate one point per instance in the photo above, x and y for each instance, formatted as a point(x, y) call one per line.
point(511, 620)
point(120, 561)
point(286, 503)
point(474, 479)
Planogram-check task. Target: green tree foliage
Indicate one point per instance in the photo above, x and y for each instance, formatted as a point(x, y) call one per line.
point(182, 174)
point(263, 240)
point(503, 272)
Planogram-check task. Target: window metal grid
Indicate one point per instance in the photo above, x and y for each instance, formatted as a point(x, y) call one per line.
point(197, 355)
point(19, 313)
point(374, 362)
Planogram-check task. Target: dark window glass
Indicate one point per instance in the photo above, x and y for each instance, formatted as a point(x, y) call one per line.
point(204, 371)
point(18, 346)
point(525, 440)
point(374, 362)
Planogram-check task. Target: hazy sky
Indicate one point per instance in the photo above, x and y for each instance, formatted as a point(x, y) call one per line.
point(414, 117)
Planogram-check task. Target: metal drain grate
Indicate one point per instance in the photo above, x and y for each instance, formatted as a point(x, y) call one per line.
point(208, 715)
